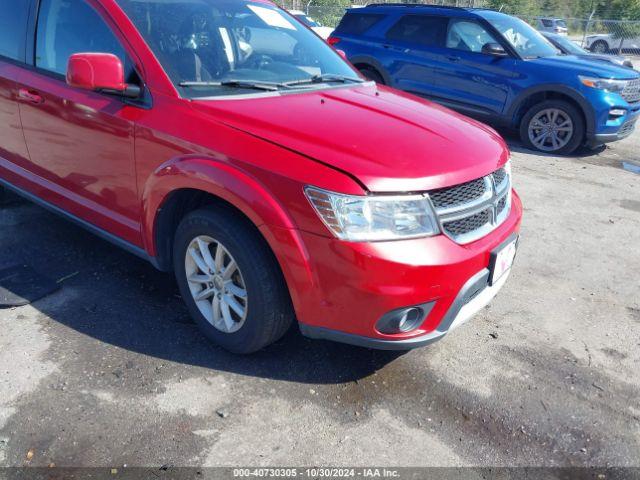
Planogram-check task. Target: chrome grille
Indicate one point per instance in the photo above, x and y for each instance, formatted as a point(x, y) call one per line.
point(471, 210)
point(631, 92)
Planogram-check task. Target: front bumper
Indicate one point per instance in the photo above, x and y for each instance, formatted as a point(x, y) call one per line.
point(611, 129)
point(473, 297)
point(358, 283)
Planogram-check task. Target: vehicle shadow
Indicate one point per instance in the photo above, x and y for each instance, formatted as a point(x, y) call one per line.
point(116, 298)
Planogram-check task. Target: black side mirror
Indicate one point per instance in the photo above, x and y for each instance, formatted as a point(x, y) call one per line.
point(494, 49)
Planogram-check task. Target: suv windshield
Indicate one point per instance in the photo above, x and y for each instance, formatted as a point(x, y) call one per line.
point(569, 45)
point(527, 41)
point(227, 47)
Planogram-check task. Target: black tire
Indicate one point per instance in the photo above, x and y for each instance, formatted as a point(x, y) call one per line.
point(570, 110)
point(600, 46)
point(269, 313)
point(372, 74)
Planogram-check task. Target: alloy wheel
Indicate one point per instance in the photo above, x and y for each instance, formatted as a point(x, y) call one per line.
point(216, 284)
point(550, 129)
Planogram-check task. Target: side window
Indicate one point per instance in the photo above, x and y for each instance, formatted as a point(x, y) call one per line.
point(468, 35)
point(13, 28)
point(420, 29)
point(357, 23)
point(66, 27)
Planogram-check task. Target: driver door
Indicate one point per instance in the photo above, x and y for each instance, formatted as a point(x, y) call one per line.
point(466, 78)
point(80, 143)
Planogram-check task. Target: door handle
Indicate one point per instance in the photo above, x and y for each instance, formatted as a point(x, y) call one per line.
point(30, 96)
point(453, 58)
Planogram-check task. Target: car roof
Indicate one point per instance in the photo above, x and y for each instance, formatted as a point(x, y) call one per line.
point(418, 8)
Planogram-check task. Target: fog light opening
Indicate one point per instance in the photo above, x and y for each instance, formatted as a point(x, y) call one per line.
point(403, 320)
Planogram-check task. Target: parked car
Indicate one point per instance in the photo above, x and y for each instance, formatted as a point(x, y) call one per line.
point(553, 25)
point(605, 42)
point(276, 188)
point(494, 67)
point(314, 25)
point(569, 47)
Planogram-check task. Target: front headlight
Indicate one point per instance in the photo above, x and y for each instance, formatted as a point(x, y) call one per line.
point(614, 86)
point(375, 217)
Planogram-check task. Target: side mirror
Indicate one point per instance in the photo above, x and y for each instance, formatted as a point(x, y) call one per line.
point(494, 49)
point(101, 72)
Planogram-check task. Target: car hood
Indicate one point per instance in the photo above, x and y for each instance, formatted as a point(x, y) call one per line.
point(586, 67)
point(604, 58)
point(388, 141)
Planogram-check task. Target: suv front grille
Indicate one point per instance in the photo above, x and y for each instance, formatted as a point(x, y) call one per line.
point(471, 210)
point(631, 92)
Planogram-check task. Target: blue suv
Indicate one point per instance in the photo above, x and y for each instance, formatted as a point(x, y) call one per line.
point(494, 67)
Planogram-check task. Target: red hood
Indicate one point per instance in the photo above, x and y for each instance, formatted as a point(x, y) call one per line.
point(388, 140)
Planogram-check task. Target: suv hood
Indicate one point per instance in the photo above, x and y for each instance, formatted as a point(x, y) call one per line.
point(582, 66)
point(387, 140)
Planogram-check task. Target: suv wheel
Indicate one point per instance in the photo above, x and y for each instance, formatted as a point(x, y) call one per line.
point(230, 281)
point(553, 126)
point(372, 74)
point(600, 46)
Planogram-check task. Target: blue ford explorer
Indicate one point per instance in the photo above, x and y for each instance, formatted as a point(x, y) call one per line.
point(494, 67)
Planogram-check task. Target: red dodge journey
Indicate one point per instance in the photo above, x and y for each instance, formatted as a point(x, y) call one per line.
point(226, 142)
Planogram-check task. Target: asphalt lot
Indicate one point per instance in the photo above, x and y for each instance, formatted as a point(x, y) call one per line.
point(108, 371)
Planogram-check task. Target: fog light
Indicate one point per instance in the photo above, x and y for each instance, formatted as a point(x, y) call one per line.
point(617, 112)
point(404, 319)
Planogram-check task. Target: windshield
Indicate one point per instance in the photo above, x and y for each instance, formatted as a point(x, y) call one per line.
point(527, 41)
point(569, 46)
point(308, 21)
point(231, 47)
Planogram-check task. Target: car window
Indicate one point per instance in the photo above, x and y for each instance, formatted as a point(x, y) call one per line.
point(419, 29)
point(66, 27)
point(547, 23)
point(308, 21)
point(468, 35)
point(13, 28)
point(357, 23)
point(204, 45)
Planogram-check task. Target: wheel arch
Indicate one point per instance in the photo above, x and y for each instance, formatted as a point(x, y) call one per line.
point(361, 61)
point(185, 184)
point(532, 96)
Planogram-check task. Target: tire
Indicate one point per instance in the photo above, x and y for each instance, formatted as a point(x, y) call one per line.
point(541, 114)
point(372, 74)
point(268, 313)
point(600, 46)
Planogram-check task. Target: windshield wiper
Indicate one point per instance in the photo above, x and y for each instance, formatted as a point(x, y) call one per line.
point(268, 86)
point(325, 78)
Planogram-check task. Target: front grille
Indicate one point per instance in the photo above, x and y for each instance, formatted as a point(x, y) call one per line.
point(499, 176)
point(471, 210)
point(631, 92)
point(458, 195)
point(467, 225)
point(626, 129)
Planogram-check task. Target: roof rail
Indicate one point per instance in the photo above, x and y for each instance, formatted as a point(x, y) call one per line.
point(411, 5)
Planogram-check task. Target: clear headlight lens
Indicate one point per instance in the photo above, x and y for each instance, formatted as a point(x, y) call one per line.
point(615, 86)
point(376, 217)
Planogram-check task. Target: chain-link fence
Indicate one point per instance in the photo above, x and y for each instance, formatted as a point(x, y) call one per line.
point(593, 32)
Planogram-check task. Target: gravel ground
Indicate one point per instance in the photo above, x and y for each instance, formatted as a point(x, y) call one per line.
point(109, 371)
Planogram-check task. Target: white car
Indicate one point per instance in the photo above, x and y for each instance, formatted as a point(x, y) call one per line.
point(317, 27)
point(605, 42)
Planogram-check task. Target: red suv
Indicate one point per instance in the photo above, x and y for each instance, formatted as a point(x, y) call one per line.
point(225, 141)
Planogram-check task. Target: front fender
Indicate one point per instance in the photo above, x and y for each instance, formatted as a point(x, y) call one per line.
point(244, 192)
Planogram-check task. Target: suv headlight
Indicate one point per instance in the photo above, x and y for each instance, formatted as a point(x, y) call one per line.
point(614, 86)
point(374, 217)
